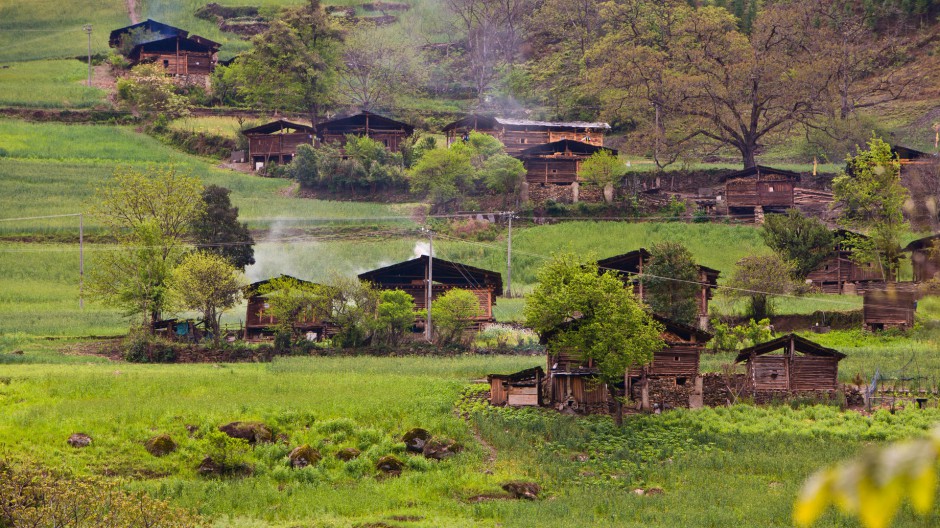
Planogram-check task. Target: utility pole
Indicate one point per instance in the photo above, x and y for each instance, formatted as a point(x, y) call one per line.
point(87, 28)
point(81, 261)
point(509, 258)
point(430, 286)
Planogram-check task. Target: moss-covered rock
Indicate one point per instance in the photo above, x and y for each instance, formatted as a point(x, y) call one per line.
point(253, 432)
point(521, 489)
point(303, 456)
point(441, 448)
point(79, 440)
point(389, 464)
point(160, 445)
point(348, 453)
point(415, 439)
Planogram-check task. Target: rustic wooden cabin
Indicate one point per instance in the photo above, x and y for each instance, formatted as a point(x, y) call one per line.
point(520, 134)
point(925, 257)
point(558, 162)
point(840, 274)
point(522, 389)
point(630, 266)
point(179, 53)
point(411, 276)
point(759, 189)
point(800, 366)
point(679, 359)
point(259, 323)
point(891, 306)
point(573, 383)
point(387, 131)
point(276, 142)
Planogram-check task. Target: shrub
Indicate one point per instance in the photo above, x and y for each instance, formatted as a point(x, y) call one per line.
point(141, 347)
point(453, 313)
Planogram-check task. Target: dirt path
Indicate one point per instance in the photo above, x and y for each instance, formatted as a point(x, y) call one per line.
point(132, 11)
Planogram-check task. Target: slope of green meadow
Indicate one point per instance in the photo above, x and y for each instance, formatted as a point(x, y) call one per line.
point(48, 84)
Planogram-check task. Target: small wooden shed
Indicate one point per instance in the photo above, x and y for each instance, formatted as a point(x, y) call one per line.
point(522, 389)
point(759, 187)
point(925, 257)
point(679, 359)
point(387, 131)
point(520, 134)
point(630, 266)
point(558, 162)
point(573, 383)
point(891, 306)
point(799, 366)
point(276, 142)
point(411, 276)
point(179, 53)
point(840, 274)
point(259, 323)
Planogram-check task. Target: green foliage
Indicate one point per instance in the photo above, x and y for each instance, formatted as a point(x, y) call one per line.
point(670, 282)
point(142, 347)
point(149, 91)
point(603, 168)
point(232, 455)
point(442, 175)
point(479, 147)
point(452, 314)
point(217, 229)
point(209, 284)
point(353, 306)
point(675, 209)
point(395, 315)
point(48, 84)
point(504, 175)
point(873, 199)
point(291, 301)
point(803, 241)
point(733, 338)
point(758, 279)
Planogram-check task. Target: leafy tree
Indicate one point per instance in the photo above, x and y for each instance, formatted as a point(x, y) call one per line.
point(207, 283)
point(353, 306)
point(148, 90)
point(379, 66)
point(375, 165)
point(504, 174)
point(758, 279)
point(872, 199)
point(592, 314)
point(291, 302)
point(603, 168)
point(217, 229)
point(802, 241)
point(453, 313)
point(479, 147)
point(292, 65)
point(442, 174)
point(396, 314)
point(670, 282)
point(149, 214)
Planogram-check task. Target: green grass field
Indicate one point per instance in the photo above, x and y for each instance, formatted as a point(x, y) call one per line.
point(48, 84)
point(43, 29)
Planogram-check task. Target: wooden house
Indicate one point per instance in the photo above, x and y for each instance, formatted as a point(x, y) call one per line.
point(925, 257)
point(412, 275)
point(520, 134)
point(573, 383)
point(276, 142)
point(759, 188)
point(259, 322)
point(522, 389)
point(387, 131)
point(891, 306)
point(679, 359)
point(180, 53)
point(840, 274)
point(799, 366)
point(558, 162)
point(630, 267)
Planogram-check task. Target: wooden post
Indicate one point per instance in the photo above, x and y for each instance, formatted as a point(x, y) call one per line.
point(509, 259)
point(87, 28)
point(81, 261)
point(427, 327)
point(645, 393)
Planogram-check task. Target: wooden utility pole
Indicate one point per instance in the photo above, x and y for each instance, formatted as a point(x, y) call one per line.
point(430, 289)
point(87, 28)
point(509, 258)
point(81, 261)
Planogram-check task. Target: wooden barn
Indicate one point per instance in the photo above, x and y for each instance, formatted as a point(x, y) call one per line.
point(276, 142)
point(558, 162)
point(522, 389)
point(387, 131)
point(520, 134)
point(840, 274)
point(800, 366)
point(891, 306)
point(572, 383)
point(259, 323)
point(411, 276)
point(759, 189)
point(679, 359)
point(179, 53)
point(630, 267)
point(925, 257)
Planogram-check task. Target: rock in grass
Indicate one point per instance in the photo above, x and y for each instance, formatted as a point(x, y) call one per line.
point(440, 448)
point(389, 464)
point(209, 467)
point(79, 440)
point(253, 432)
point(521, 489)
point(415, 439)
point(348, 453)
point(303, 456)
point(160, 445)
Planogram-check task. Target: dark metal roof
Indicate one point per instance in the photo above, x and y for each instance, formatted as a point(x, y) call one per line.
point(443, 272)
point(630, 263)
point(278, 126)
point(253, 287)
point(472, 122)
point(475, 121)
point(906, 153)
point(922, 243)
point(800, 344)
point(357, 123)
point(761, 170)
point(157, 30)
point(522, 375)
point(564, 145)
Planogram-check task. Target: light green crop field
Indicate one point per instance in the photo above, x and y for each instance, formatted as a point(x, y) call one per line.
point(739, 466)
point(42, 29)
point(48, 84)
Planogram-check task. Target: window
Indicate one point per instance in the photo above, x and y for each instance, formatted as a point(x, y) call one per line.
point(773, 375)
point(166, 63)
point(554, 171)
point(675, 358)
point(770, 188)
point(523, 140)
point(680, 382)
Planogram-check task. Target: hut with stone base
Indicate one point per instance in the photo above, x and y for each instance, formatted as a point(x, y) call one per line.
point(790, 364)
point(558, 162)
point(757, 190)
point(179, 53)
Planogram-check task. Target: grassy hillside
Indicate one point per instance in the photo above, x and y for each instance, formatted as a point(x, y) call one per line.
point(42, 29)
point(48, 84)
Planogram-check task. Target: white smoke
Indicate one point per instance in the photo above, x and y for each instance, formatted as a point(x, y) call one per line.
point(422, 248)
point(275, 255)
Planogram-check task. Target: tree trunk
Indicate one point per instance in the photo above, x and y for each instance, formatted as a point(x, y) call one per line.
point(748, 154)
point(618, 412)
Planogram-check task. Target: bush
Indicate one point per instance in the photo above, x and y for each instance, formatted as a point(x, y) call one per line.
point(141, 347)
